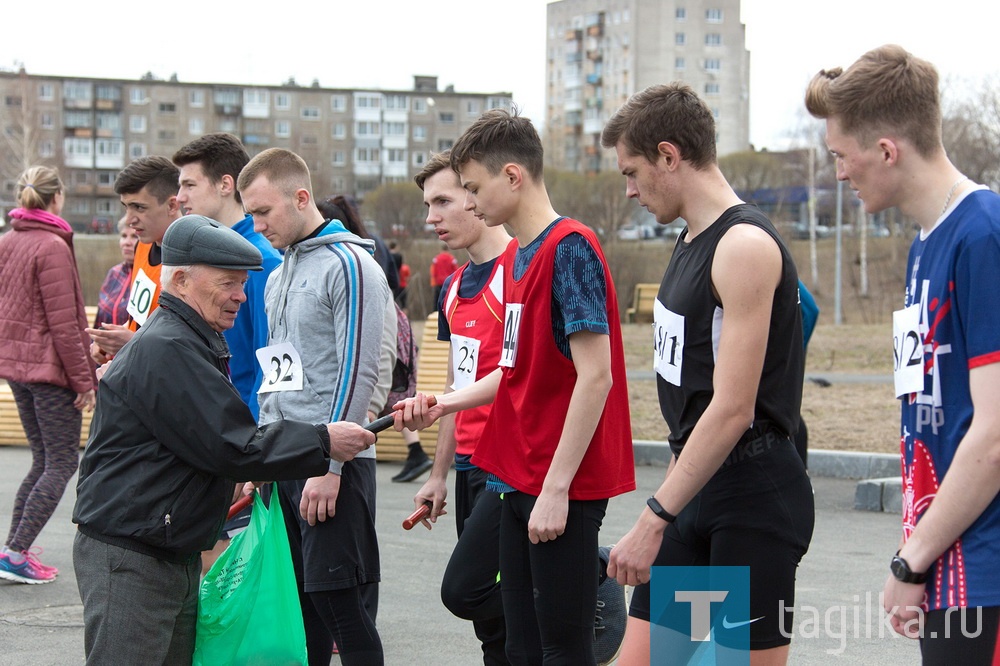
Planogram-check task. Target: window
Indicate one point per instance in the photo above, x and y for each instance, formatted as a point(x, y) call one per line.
point(46, 121)
point(227, 125)
point(81, 177)
point(367, 128)
point(713, 64)
point(46, 149)
point(196, 98)
point(138, 96)
point(363, 101)
point(472, 108)
point(396, 102)
point(255, 97)
point(419, 158)
point(680, 14)
point(713, 15)
point(339, 131)
point(338, 158)
point(78, 206)
point(419, 133)
point(395, 129)
point(109, 147)
point(338, 102)
point(109, 93)
point(106, 178)
point(107, 206)
point(446, 117)
point(109, 121)
point(227, 97)
point(679, 39)
point(168, 107)
point(137, 124)
point(310, 113)
point(282, 101)
point(419, 105)
point(77, 148)
point(77, 90)
point(75, 119)
point(166, 135)
point(136, 150)
point(196, 126)
point(713, 39)
point(711, 88)
point(46, 92)
point(715, 112)
point(366, 154)
point(678, 63)
point(445, 144)
point(283, 129)
point(397, 155)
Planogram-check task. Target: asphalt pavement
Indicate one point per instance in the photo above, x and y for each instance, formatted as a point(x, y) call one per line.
point(837, 610)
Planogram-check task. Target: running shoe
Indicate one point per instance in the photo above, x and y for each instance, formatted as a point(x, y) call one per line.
point(610, 615)
point(414, 467)
point(33, 554)
point(25, 572)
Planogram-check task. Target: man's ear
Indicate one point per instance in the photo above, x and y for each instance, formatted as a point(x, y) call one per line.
point(514, 174)
point(670, 154)
point(889, 150)
point(172, 206)
point(227, 186)
point(302, 198)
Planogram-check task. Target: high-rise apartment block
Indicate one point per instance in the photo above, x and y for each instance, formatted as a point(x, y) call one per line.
point(599, 52)
point(353, 140)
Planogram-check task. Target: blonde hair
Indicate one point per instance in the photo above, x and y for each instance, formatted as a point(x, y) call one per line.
point(37, 187)
point(282, 168)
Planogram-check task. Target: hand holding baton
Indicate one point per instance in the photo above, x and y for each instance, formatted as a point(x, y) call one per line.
point(239, 505)
point(422, 512)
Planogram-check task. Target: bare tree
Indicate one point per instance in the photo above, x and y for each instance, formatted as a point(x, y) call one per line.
point(397, 208)
point(971, 132)
point(19, 147)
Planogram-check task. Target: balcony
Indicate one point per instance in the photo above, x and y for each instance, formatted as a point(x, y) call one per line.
point(228, 109)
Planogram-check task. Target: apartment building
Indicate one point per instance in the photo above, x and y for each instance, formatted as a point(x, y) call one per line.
point(352, 139)
point(599, 52)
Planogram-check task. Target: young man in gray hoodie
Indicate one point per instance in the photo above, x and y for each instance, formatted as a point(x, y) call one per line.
point(326, 306)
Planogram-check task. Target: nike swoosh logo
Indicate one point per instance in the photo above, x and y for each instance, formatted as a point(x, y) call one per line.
point(726, 624)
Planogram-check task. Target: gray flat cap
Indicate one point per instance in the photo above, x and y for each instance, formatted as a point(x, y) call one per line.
point(196, 239)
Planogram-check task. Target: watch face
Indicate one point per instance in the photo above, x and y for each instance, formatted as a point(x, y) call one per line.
point(899, 569)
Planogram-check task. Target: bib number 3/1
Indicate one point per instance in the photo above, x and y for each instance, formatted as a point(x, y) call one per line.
point(282, 367)
point(907, 351)
point(668, 343)
point(511, 329)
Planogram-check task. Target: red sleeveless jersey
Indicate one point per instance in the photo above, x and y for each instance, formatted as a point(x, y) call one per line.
point(476, 326)
point(529, 411)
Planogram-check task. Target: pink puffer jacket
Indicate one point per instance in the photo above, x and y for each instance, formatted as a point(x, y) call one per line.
point(41, 309)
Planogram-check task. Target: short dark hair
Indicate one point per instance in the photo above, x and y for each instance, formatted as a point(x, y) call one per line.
point(436, 164)
point(499, 137)
point(344, 208)
point(154, 172)
point(219, 154)
point(668, 112)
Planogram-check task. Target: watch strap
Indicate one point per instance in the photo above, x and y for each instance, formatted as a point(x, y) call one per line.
point(658, 509)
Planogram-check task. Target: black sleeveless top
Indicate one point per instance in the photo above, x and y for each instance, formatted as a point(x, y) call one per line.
point(686, 291)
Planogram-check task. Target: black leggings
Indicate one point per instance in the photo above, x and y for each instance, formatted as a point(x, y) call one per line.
point(960, 638)
point(340, 615)
point(550, 589)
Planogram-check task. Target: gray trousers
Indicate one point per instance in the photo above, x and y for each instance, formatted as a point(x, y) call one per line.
point(136, 609)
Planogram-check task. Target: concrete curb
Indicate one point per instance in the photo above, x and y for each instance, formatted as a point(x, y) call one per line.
point(879, 487)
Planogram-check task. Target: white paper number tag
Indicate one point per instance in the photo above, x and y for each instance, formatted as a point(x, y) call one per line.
point(907, 351)
point(464, 360)
point(140, 300)
point(282, 368)
point(511, 328)
point(668, 343)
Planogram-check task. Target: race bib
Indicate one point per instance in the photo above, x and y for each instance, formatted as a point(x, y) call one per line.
point(282, 368)
point(907, 351)
point(668, 343)
point(464, 360)
point(511, 329)
point(140, 300)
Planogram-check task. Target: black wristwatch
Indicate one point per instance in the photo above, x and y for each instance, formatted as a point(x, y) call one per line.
point(901, 571)
point(658, 509)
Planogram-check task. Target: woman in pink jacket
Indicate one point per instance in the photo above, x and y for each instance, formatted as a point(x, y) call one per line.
point(44, 358)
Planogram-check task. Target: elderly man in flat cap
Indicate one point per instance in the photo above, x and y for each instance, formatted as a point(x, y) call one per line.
point(169, 438)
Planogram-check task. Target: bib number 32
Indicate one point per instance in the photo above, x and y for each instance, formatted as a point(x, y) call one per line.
point(282, 368)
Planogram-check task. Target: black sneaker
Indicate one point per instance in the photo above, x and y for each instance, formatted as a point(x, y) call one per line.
point(610, 615)
point(413, 467)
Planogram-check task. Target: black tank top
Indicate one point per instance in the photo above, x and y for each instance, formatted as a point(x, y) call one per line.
point(686, 291)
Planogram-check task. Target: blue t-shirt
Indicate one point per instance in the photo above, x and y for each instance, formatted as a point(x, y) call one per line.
point(474, 279)
point(952, 276)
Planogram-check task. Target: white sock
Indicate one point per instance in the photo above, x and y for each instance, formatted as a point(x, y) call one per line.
point(14, 556)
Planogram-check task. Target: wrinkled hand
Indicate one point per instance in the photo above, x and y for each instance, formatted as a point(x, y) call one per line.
point(434, 491)
point(347, 440)
point(96, 353)
point(319, 498)
point(548, 517)
point(633, 556)
point(901, 602)
point(417, 413)
point(85, 401)
point(110, 338)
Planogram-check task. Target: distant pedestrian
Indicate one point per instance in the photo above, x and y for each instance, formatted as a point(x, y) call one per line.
point(44, 356)
point(442, 265)
point(112, 300)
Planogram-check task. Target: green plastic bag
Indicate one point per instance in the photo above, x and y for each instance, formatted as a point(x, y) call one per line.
point(248, 604)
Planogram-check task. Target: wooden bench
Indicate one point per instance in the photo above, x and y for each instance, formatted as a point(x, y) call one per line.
point(642, 302)
point(432, 373)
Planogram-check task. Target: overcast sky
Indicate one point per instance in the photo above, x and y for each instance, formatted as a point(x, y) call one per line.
point(476, 45)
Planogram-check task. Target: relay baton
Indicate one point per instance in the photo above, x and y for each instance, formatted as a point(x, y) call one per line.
point(239, 505)
point(417, 516)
